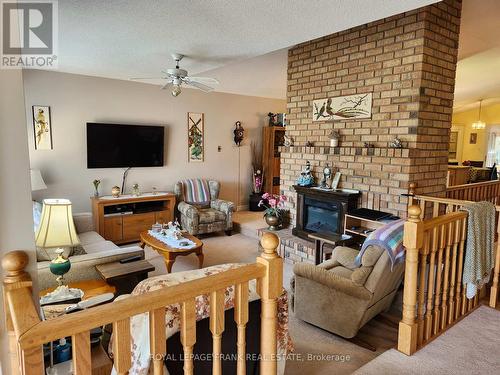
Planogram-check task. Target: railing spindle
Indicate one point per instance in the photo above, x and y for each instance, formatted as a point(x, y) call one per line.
point(430, 287)
point(157, 339)
point(456, 240)
point(188, 334)
point(241, 319)
point(121, 346)
point(217, 327)
point(460, 293)
point(421, 291)
point(448, 228)
point(80, 343)
point(496, 272)
point(439, 274)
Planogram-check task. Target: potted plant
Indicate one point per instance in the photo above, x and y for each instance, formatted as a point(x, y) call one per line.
point(273, 209)
point(334, 138)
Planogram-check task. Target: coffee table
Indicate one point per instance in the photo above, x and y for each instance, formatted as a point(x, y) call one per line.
point(125, 276)
point(170, 253)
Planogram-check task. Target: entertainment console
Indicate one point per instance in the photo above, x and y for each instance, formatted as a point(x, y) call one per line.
point(122, 219)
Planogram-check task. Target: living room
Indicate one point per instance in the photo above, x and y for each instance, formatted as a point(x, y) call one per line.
point(209, 163)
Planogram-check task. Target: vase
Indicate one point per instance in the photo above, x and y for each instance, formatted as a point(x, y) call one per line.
point(115, 191)
point(334, 142)
point(272, 221)
point(96, 192)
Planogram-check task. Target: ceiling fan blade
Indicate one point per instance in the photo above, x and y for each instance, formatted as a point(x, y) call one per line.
point(198, 85)
point(206, 80)
point(145, 78)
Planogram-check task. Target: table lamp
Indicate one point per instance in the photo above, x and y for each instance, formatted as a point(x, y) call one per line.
point(57, 230)
point(37, 182)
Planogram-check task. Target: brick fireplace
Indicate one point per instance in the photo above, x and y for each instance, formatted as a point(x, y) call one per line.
point(408, 63)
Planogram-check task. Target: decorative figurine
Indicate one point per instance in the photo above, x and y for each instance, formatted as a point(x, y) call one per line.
point(396, 143)
point(155, 190)
point(369, 145)
point(172, 230)
point(306, 178)
point(327, 174)
point(135, 190)
point(272, 119)
point(309, 144)
point(238, 133)
point(334, 138)
point(115, 191)
point(288, 141)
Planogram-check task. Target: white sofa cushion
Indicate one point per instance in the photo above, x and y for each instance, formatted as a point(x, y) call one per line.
point(98, 247)
point(88, 238)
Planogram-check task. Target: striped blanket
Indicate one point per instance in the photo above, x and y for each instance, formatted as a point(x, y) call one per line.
point(196, 192)
point(390, 238)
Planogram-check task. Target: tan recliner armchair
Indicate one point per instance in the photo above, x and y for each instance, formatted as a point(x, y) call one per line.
point(340, 297)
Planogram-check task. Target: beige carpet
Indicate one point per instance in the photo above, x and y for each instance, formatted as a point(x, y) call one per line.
point(469, 347)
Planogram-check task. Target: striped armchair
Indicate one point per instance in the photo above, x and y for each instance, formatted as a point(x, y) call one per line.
point(199, 208)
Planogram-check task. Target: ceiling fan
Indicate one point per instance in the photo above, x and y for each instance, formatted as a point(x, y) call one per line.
point(176, 77)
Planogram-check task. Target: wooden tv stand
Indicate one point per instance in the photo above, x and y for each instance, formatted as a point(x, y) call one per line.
point(122, 219)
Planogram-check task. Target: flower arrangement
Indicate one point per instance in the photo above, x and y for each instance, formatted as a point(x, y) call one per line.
point(273, 205)
point(257, 176)
point(96, 187)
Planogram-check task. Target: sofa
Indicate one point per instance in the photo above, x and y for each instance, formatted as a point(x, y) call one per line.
point(213, 216)
point(93, 250)
point(341, 297)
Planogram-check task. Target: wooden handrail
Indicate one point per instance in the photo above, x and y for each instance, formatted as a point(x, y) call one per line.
point(490, 190)
point(28, 333)
point(433, 296)
point(67, 325)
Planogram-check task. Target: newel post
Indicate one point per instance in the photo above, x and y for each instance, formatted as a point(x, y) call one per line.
point(269, 288)
point(15, 277)
point(412, 240)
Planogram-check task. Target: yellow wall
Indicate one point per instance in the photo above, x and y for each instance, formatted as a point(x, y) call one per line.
point(490, 115)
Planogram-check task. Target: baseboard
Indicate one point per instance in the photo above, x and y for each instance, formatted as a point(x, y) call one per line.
point(242, 208)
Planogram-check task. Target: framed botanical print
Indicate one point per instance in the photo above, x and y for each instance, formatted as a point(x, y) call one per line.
point(336, 180)
point(196, 141)
point(42, 127)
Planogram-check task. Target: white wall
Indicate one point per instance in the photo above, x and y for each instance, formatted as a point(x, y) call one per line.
point(16, 224)
point(76, 100)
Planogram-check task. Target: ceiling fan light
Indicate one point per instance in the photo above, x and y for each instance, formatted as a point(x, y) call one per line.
point(176, 90)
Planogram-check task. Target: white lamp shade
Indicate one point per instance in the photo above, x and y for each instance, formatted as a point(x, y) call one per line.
point(37, 182)
point(57, 228)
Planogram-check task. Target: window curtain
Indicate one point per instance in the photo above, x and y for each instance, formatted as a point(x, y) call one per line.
point(491, 156)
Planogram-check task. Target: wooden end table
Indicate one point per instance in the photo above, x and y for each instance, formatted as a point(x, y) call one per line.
point(170, 253)
point(321, 239)
point(125, 276)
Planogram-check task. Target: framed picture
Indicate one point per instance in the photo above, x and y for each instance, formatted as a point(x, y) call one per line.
point(42, 127)
point(343, 108)
point(196, 147)
point(473, 138)
point(336, 180)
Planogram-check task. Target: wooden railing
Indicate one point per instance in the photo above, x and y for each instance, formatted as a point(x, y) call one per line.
point(28, 333)
point(476, 192)
point(431, 207)
point(433, 297)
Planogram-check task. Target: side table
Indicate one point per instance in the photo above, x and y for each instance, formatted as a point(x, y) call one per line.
point(125, 276)
point(321, 239)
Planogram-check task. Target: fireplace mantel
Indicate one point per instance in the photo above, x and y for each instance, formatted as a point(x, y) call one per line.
point(342, 201)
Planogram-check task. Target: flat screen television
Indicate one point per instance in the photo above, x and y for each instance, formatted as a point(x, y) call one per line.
point(123, 146)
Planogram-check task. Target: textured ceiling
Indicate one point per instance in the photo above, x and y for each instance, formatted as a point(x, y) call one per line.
point(122, 39)
point(478, 70)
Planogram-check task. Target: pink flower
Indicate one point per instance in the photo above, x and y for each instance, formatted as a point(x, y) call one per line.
point(272, 202)
point(283, 198)
point(266, 196)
